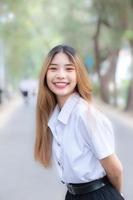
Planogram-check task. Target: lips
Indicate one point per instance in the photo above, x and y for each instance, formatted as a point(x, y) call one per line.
point(61, 84)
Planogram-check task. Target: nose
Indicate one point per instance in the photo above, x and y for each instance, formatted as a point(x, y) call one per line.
point(60, 74)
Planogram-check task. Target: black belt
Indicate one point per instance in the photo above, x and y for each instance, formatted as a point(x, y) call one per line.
point(82, 188)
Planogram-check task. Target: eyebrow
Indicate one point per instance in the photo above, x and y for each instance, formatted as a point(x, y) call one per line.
point(55, 64)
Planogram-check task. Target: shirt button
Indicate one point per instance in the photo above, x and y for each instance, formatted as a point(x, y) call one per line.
point(63, 182)
point(58, 163)
point(58, 144)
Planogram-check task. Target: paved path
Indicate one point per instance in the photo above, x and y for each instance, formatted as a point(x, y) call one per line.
point(124, 148)
point(123, 127)
point(21, 178)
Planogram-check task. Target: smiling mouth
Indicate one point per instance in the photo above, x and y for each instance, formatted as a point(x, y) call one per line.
point(60, 84)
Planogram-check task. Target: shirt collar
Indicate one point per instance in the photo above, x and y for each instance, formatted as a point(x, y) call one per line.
point(65, 112)
point(68, 107)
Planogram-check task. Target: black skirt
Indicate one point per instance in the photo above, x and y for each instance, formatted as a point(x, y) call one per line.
point(108, 192)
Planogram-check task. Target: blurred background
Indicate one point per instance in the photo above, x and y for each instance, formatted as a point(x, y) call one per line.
point(102, 32)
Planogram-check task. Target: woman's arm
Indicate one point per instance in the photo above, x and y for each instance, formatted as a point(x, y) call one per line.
point(114, 170)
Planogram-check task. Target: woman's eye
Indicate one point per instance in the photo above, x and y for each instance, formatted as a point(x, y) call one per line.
point(53, 68)
point(69, 68)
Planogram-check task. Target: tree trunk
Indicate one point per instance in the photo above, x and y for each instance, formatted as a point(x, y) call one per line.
point(129, 104)
point(97, 55)
point(109, 78)
point(96, 47)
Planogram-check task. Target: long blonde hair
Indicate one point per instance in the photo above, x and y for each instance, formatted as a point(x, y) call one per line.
point(46, 101)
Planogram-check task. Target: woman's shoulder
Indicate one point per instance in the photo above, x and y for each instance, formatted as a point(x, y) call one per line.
point(90, 111)
point(83, 107)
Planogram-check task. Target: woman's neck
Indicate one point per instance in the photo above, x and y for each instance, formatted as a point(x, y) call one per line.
point(61, 101)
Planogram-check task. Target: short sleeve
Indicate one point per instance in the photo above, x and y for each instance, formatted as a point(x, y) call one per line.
point(98, 133)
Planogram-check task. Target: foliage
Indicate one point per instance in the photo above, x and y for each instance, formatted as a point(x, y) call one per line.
point(32, 27)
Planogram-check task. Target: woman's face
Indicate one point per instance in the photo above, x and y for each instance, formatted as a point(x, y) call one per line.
point(61, 76)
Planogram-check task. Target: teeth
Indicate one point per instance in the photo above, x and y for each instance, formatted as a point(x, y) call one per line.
point(61, 84)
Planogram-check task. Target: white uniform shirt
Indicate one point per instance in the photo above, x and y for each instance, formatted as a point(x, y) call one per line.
point(82, 136)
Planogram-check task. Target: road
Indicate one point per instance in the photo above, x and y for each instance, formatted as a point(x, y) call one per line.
point(124, 148)
point(22, 178)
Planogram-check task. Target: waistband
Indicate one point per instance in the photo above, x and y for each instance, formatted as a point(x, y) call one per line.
point(82, 188)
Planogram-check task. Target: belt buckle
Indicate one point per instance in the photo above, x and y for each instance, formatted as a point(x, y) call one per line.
point(71, 189)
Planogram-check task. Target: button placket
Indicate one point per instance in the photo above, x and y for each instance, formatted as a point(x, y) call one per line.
point(59, 134)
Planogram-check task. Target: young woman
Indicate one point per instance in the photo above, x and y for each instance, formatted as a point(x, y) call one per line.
point(70, 128)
